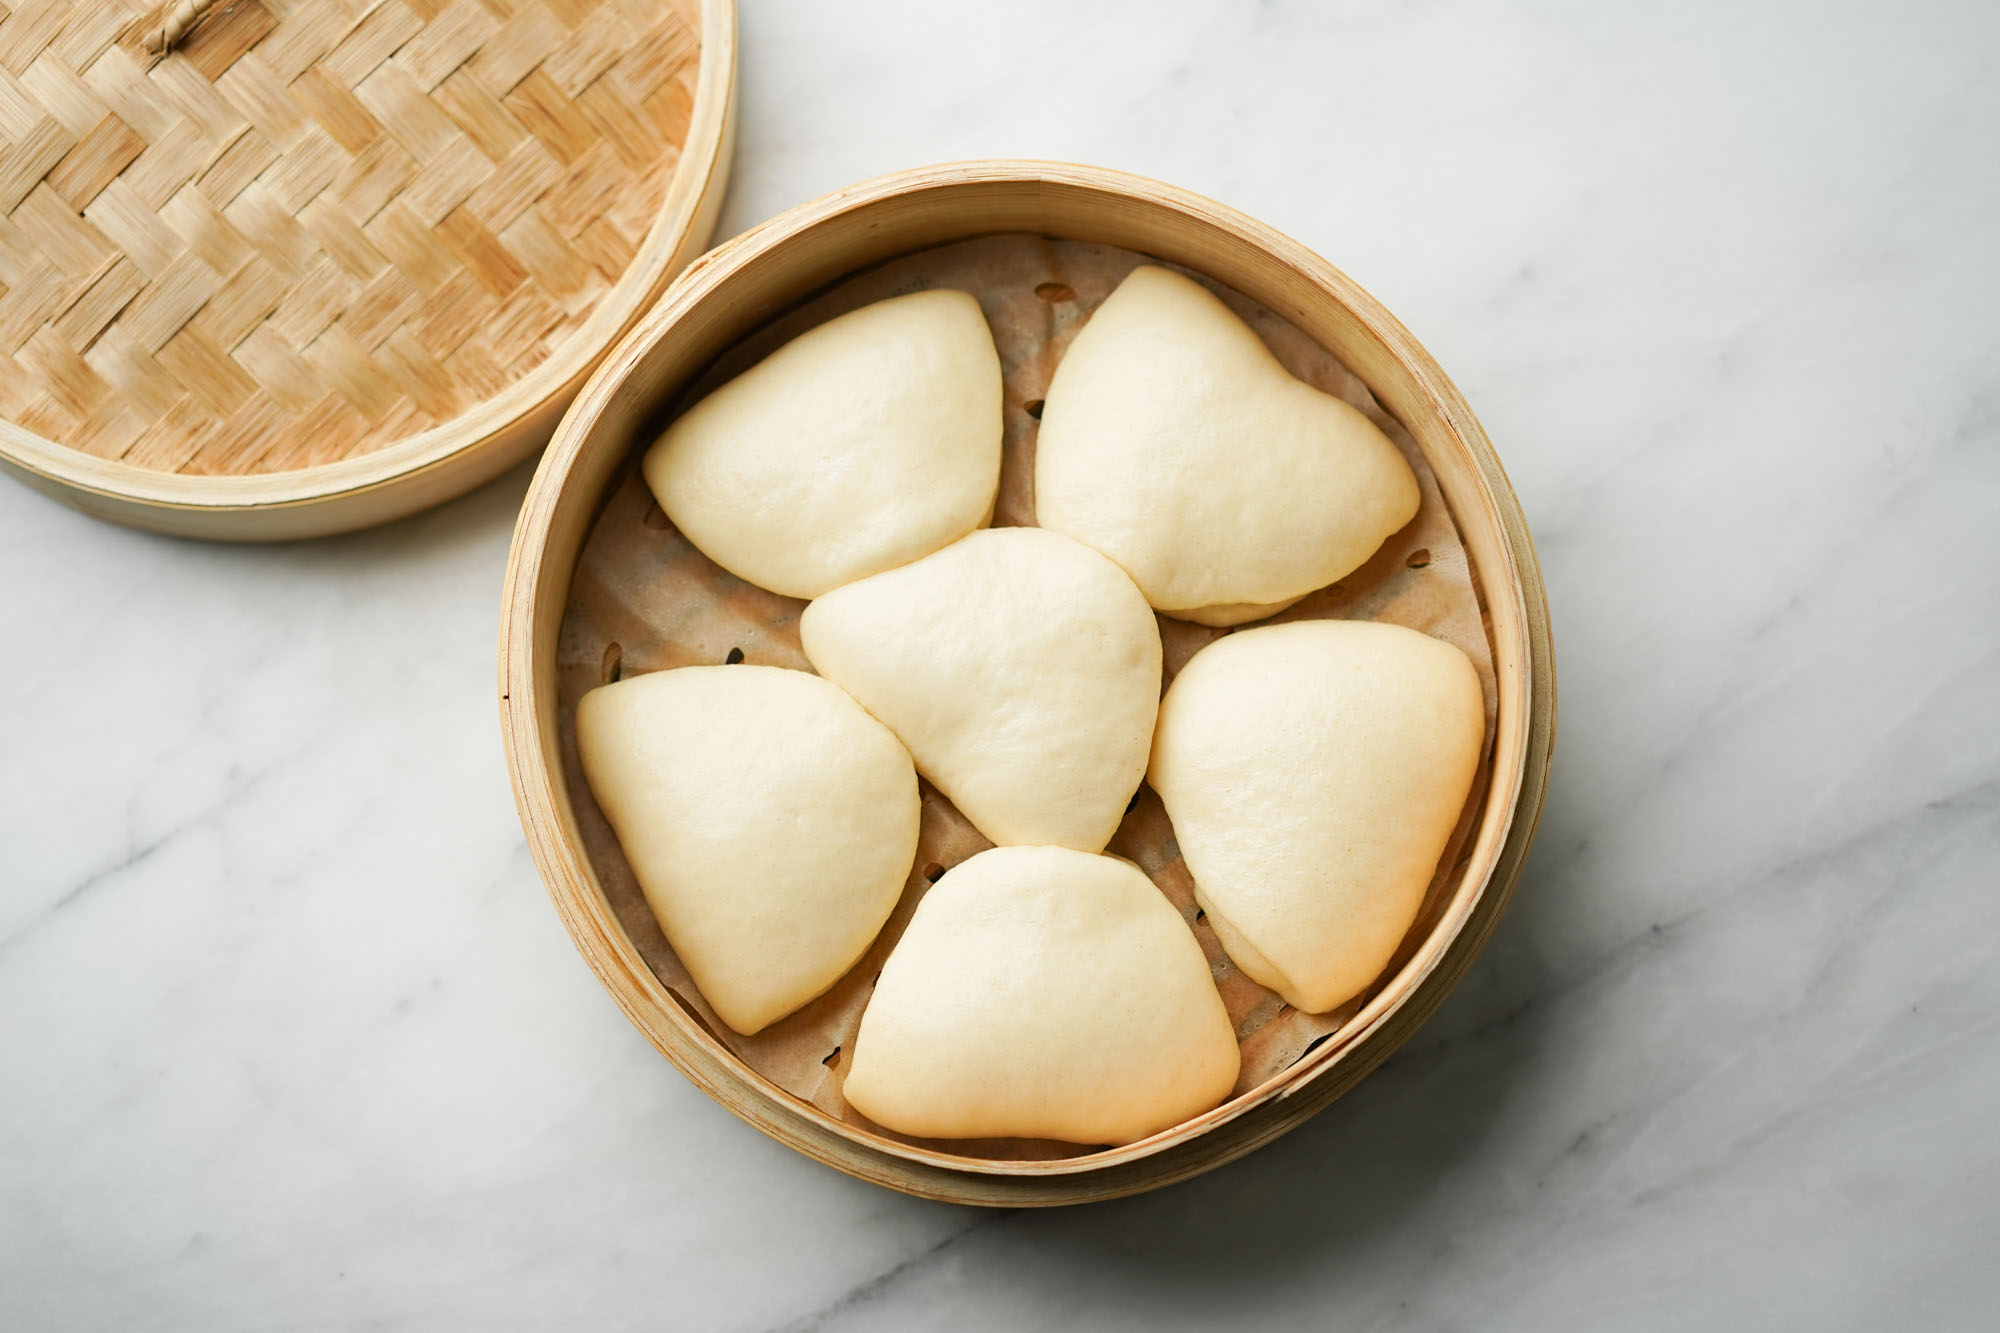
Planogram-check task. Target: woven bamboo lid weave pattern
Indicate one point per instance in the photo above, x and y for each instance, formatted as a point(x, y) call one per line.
point(261, 255)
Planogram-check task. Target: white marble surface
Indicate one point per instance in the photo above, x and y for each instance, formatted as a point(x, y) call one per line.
point(290, 1038)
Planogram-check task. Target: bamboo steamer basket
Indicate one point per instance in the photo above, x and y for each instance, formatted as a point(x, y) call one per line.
point(280, 268)
point(751, 281)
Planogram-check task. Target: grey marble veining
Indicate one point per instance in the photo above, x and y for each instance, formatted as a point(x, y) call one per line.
point(290, 1038)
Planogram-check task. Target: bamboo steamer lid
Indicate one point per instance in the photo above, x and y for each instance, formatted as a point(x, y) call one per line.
point(277, 268)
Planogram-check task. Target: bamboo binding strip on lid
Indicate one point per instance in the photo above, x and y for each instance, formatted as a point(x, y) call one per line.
point(275, 268)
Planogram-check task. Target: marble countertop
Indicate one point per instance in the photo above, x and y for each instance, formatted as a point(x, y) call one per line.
point(292, 1039)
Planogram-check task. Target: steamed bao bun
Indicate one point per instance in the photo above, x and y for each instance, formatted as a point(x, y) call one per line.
point(1021, 668)
point(1314, 772)
point(770, 821)
point(1174, 442)
point(1042, 993)
point(858, 446)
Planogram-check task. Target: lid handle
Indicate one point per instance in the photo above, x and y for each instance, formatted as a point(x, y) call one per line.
point(176, 22)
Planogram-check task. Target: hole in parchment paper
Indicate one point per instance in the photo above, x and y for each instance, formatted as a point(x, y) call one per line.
point(1055, 291)
point(1033, 407)
point(1311, 1046)
point(735, 656)
point(933, 872)
point(1419, 558)
point(834, 1054)
point(1200, 915)
point(656, 518)
point(613, 664)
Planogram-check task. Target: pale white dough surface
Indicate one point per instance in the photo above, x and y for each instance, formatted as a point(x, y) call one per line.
point(856, 447)
point(1043, 993)
point(770, 821)
point(1174, 442)
point(1020, 667)
point(1313, 772)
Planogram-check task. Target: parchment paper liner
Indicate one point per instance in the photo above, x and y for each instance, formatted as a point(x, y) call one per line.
point(644, 599)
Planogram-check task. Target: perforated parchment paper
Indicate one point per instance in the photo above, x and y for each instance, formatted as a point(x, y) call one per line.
point(644, 599)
